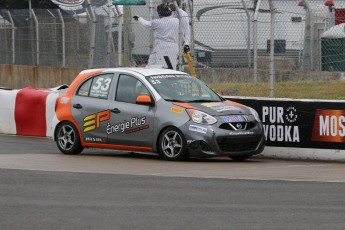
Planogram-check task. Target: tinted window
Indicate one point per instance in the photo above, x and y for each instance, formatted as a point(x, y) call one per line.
point(182, 88)
point(129, 88)
point(97, 87)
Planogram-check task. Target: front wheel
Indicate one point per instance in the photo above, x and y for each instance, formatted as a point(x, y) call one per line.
point(172, 145)
point(67, 139)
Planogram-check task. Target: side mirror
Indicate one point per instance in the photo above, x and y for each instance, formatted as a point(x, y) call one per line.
point(144, 100)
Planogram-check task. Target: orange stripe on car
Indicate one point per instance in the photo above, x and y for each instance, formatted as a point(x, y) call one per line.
point(185, 105)
point(118, 147)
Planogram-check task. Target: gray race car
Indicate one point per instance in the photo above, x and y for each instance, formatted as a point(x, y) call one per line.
point(157, 110)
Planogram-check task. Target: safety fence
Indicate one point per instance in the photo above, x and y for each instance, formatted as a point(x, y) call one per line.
point(231, 42)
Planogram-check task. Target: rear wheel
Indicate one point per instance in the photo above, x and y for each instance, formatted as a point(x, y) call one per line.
point(172, 145)
point(67, 139)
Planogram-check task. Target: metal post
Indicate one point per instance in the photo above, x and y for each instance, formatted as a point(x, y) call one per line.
point(13, 37)
point(309, 20)
point(151, 9)
point(92, 32)
point(37, 38)
point(109, 33)
point(272, 9)
point(30, 8)
point(255, 40)
point(191, 12)
point(63, 39)
point(248, 31)
point(180, 37)
point(55, 47)
point(119, 36)
point(127, 57)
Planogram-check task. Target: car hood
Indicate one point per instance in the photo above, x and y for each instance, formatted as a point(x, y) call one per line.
point(217, 108)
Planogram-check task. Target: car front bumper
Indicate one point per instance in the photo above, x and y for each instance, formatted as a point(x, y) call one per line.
point(211, 141)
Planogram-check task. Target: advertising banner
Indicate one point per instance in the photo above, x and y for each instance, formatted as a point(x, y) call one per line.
point(301, 123)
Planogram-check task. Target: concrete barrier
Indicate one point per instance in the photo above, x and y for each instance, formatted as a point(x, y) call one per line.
point(8, 101)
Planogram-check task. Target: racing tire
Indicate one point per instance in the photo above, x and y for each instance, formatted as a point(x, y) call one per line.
point(172, 145)
point(67, 139)
point(241, 157)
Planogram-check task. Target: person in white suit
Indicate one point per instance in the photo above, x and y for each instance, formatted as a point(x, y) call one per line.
point(177, 12)
point(165, 33)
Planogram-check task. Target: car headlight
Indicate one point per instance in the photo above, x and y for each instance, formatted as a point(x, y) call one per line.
point(255, 114)
point(201, 117)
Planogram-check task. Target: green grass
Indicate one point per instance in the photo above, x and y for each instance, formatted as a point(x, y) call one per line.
point(331, 89)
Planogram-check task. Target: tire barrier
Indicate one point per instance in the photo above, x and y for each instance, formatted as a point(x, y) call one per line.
point(28, 111)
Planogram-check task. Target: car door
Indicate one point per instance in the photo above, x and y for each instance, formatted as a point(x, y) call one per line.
point(130, 124)
point(90, 106)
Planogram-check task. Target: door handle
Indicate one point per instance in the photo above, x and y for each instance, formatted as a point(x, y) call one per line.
point(115, 110)
point(77, 106)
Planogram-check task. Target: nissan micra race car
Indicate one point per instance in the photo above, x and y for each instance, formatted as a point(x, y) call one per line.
point(157, 110)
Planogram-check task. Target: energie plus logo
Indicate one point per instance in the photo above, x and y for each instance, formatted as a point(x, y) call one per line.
point(93, 121)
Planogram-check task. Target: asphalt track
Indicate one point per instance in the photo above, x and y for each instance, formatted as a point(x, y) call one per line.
point(43, 189)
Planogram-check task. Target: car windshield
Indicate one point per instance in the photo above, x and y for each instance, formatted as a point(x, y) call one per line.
point(182, 88)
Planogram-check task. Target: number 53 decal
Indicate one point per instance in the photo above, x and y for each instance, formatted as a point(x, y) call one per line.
point(102, 84)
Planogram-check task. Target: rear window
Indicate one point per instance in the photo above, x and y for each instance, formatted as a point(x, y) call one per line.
point(96, 87)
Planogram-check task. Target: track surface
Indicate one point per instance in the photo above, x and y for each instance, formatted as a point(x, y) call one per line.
point(43, 189)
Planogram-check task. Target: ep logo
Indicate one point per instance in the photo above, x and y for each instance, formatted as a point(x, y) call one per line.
point(93, 121)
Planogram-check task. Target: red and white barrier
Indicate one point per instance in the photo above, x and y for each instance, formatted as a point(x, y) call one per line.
point(7, 121)
point(28, 111)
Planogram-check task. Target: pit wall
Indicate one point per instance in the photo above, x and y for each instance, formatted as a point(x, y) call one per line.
point(21, 76)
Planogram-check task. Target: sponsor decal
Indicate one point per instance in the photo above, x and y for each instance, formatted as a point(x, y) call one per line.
point(134, 124)
point(241, 133)
point(165, 76)
point(64, 100)
point(95, 139)
point(280, 129)
point(137, 129)
point(93, 121)
point(176, 110)
point(329, 126)
point(69, 4)
point(218, 106)
point(235, 118)
point(197, 129)
point(291, 115)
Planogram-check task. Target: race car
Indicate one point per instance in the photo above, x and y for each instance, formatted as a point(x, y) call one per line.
point(153, 110)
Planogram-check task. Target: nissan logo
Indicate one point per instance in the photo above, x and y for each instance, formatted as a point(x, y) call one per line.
point(239, 125)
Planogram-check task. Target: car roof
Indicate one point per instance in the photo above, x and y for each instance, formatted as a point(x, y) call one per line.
point(145, 71)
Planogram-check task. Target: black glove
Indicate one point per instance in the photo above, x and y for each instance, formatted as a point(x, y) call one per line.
point(186, 48)
point(135, 17)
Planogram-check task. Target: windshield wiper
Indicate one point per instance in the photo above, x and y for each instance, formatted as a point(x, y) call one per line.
point(203, 101)
point(174, 100)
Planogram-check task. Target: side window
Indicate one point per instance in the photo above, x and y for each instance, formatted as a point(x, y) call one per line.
point(84, 89)
point(97, 87)
point(128, 88)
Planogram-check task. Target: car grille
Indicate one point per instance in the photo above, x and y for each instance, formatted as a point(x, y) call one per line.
point(228, 144)
point(237, 126)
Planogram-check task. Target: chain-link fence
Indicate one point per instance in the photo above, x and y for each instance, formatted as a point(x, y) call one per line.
point(231, 41)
